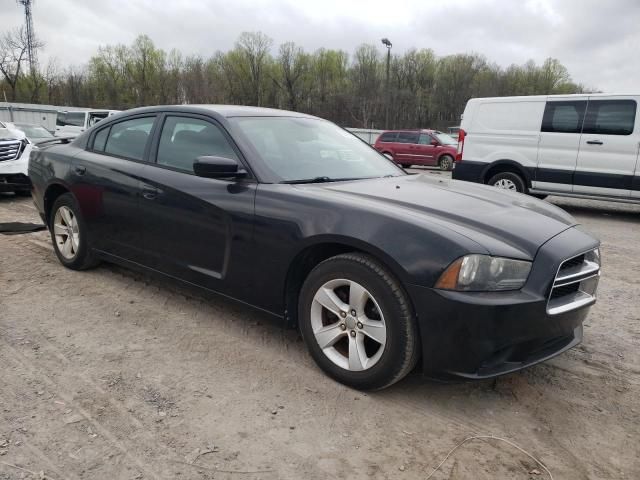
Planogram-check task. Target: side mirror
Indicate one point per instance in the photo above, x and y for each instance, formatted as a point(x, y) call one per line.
point(218, 167)
point(435, 143)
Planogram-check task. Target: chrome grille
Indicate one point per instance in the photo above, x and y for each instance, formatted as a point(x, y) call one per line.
point(575, 283)
point(9, 150)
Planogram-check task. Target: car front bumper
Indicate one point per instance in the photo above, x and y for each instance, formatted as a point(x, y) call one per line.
point(14, 182)
point(479, 335)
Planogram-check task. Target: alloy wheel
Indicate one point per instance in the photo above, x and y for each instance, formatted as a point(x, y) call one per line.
point(66, 233)
point(348, 324)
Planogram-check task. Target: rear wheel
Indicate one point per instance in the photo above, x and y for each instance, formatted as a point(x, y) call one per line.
point(357, 322)
point(406, 165)
point(508, 181)
point(446, 162)
point(69, 234)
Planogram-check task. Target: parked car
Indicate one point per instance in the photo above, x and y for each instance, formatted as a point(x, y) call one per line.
point(293, 215)
point(15, 149)
point(418, 147)
point(71, 124)
point(572, 145)
point(35, 133)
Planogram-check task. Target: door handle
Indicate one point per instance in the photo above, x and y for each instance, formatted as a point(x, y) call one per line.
point(594, 142)
point(150, 193)
point(80, 170)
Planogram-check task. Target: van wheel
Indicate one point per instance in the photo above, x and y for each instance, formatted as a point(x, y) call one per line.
point(508, 181)
point(357, 322)
point(406, 165)
point(446, 162)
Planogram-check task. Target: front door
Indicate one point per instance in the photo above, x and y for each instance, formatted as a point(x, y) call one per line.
point(427, 149)
point(195, 227)
point(559, 145)
point(608, 149)
point(406, 148)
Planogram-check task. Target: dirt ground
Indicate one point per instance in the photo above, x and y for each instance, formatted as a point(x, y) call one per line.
point(108, 374)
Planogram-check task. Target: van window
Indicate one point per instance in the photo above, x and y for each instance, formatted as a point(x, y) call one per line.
point(407, 137)
point(610, 117)
point(75, 119)
point(564, 117)
point(388, 137)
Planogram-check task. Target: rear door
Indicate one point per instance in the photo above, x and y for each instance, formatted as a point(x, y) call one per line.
point(559, 144)
point(107, 185)
point(406, 148)
point(195, 228)
point(609, 148)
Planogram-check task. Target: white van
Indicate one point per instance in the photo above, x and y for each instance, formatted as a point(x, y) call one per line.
point(583, 146)
point(73, 123)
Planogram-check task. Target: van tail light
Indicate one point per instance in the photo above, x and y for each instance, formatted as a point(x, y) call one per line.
point(461, 135)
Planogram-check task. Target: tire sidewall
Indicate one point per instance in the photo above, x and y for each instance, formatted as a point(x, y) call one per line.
point(83, 255)
point(397, 315)
point(441, 162)
point(514, 177)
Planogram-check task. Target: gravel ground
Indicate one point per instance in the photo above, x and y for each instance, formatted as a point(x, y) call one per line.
point(108, 374)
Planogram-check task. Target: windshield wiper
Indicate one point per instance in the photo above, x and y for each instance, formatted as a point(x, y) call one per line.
point(313, 180)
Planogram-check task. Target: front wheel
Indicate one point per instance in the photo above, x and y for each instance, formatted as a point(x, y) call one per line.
point(446, 162)
point(357, 322)
point(69, 234)
point(508, 181)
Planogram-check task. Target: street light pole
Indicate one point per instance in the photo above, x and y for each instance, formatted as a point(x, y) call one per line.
point(387, 43)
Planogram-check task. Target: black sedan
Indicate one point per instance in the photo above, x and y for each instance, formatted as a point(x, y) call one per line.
point(380, 270)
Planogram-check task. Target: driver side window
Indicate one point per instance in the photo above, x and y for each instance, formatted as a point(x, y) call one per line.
point(425, 139)
point(184, 139)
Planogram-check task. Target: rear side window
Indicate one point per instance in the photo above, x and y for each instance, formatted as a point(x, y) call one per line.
point(388, 137)
point(184, 139)
point(610, 117)
point(408, 137)
point(564, 117)
point(100, 140)
point(129, 138)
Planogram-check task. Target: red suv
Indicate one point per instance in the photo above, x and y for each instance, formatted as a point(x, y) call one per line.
point(418, 147)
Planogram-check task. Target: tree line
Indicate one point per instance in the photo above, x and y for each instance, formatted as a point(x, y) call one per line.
point(423, 90)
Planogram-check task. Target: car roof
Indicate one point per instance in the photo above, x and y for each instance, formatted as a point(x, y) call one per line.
point(226, 111)
point(412, 130)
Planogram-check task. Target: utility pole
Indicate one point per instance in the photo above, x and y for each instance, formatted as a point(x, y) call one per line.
point(31, 36)
point(387, 43)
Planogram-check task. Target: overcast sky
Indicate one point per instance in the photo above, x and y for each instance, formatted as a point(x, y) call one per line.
point(597, 40)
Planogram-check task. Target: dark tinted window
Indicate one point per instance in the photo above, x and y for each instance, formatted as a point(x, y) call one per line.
point(129, 138)
point(564, 117)
point(185, 139)
point(100, 140)
point(408, 137)
point(388, 137)
point(75, 119)
point(610, 117)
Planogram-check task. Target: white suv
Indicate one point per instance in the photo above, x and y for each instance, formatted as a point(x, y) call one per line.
point(574, 145)
point(15, 149)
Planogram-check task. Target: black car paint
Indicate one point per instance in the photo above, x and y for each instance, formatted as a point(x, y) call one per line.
point(244, 238)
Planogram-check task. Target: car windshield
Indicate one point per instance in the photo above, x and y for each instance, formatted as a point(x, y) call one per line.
point(33, 131)
point(311, 150)
point(445, 139)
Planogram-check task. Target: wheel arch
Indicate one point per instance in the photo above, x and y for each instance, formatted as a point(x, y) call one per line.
point(318, 251)
point(506, 165)
point(52, 192)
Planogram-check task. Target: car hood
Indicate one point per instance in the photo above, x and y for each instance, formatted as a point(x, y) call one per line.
point(504, 223)
point(11, 134)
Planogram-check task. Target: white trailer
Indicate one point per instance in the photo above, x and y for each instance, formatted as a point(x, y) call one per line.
point(60, 120)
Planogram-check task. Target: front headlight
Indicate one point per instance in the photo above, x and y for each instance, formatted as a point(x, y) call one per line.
point(482, 273)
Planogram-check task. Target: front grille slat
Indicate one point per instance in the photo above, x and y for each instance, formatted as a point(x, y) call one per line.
point(575, 284)
point(9, 150)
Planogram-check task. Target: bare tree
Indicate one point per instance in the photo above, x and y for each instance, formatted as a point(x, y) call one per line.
point(13, 49)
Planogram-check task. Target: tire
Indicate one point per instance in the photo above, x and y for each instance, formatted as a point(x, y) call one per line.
point(539, 196)
point(508, 181)
point(445, 163)
point(384, 310)
point(73, 250)
point(406, 165)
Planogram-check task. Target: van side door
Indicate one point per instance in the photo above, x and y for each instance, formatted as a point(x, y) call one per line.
point(608, 148)
point(559, 144)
